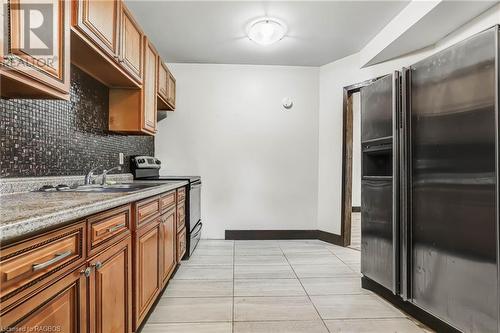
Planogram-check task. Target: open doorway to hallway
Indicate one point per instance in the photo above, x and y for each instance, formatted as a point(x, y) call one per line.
point(351, 165)
point(356, 172)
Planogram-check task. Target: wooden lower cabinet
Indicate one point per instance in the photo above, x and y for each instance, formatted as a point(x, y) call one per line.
point(110, 289)
point(38, 260)
point(168, 245)
point(58, 307)
point(181, 244)
point(146, 269)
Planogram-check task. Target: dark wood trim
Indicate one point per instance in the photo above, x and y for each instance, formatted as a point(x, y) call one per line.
point(423, 316)
point(356, 209)
point(283, 234)
point(330, 238)
point(347, 126)
point(346, 209)
point(270, 234)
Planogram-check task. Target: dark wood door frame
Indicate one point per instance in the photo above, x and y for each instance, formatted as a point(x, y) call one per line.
point(347, 125)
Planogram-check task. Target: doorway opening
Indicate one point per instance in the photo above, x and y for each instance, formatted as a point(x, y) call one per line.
point(351, 165)
point(356, 172)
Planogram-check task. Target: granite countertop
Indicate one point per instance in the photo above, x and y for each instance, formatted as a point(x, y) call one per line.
point(26, 213)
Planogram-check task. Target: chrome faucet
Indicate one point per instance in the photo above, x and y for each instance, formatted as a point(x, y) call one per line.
point(105, 173)
point(90, 174)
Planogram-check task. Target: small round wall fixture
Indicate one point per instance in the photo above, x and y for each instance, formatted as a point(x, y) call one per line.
point(266, 30)
point(287, 103)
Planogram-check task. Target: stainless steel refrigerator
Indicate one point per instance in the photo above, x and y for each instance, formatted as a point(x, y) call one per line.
point(430, 233)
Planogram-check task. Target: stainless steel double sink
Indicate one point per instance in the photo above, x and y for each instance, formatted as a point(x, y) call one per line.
point(110, 188)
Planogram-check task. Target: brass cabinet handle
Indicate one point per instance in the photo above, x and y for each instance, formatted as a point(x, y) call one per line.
point(57, 258)
point(116, 227)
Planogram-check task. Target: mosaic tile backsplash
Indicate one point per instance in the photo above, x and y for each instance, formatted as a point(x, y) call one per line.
point(61, 138)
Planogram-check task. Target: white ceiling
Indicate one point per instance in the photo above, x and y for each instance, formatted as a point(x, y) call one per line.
point(429, 29)
point(319, 32)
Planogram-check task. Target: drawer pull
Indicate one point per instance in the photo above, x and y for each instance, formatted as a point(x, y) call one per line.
point(58, 257)
point(97, 265)
point(86, 272)
point(116, 227)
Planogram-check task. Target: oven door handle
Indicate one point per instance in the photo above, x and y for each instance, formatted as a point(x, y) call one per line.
point(195, 234)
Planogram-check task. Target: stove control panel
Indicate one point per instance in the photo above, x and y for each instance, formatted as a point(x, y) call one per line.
point(146, 162)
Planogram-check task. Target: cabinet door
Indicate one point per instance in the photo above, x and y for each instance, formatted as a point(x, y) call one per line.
point(162, 80)
point(131, 45)
point(168, 237)
point(99, 20)
point(110, 290)
point(171, 90)
point(149, 87)
point(147, 269)
point(39, 59)
point(181, 244)
point(60, 307)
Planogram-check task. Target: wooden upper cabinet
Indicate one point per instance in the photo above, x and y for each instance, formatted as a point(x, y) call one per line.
point(162, 82)
point(166, 87)
point(131, 54)
point(149, 87)
point(105, 44)
point(171, 85)
point(99, 21)
point(36, 64)
point(110, 290)
point(134, 111)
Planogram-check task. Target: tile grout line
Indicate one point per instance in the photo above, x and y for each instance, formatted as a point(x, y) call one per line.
point(232, 322)
point(344, 262)
point(305, 291)
point(379, 300)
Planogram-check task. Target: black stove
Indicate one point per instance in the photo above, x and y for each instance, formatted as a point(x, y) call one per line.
point(190, 179)
point(148, 168)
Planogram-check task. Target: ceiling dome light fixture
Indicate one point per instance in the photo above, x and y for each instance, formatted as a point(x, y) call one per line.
point(266, 30)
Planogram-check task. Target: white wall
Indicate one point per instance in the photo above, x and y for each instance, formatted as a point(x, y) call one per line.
point(356, 150)
point(347, 71)
point(258, 162)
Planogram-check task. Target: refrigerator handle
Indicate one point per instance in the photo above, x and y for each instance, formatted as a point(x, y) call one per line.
point(396, 107)
point(404, 189)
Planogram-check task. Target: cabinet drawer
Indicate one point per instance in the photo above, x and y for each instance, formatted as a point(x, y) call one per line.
point(146, 209)
point(181, 194)
point(40, 258)
point(167, 201)
point(58, 307)
point(107, 227)
point(181, 244)
point(181, 216)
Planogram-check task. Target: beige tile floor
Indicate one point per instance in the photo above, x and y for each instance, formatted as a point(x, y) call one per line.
point(273, 286)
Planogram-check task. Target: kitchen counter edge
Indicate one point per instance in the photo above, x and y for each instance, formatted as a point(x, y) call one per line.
point(12, 232)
